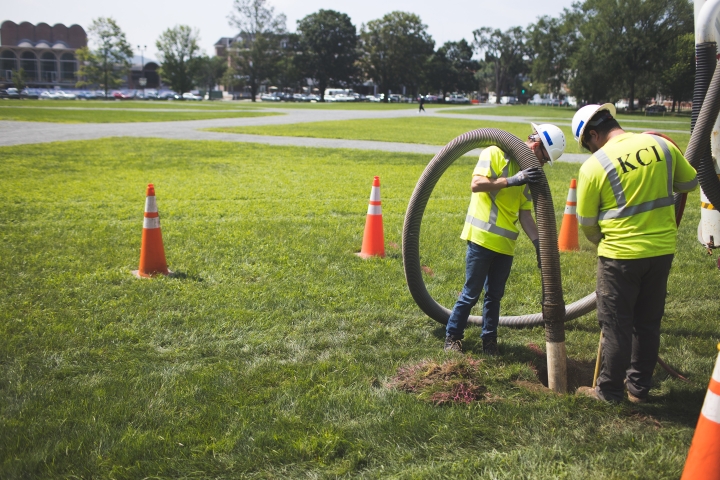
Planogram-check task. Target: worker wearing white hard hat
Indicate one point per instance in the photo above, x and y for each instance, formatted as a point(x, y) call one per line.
point(500, 200)
point(625, 206)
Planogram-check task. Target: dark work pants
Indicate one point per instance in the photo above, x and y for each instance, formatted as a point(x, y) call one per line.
point(630, 304)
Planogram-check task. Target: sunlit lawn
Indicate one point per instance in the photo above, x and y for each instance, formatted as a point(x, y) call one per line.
point(268, 355)
point(425, 130)
point(97, 115)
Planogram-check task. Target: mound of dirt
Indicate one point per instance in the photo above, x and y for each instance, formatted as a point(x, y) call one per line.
point(454, 381)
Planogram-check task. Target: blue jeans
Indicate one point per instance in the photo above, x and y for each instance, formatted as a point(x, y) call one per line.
point(484, 270)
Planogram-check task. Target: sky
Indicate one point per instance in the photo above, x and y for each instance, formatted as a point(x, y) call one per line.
point(144, 20)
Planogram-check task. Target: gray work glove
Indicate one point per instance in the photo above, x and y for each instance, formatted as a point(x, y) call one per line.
point(530, 175)
point(536, 242)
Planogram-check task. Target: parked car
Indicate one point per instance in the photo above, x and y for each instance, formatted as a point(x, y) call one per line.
point(300, 97)
point(457, 98)
point(3, 93)
point(509, 100)
point(86, 95)
point(270, 97)
point(431, 98)
point(169, 95)
point(653, 109)
point(150, 94)
point(313, 98)
point(376, 98)
point(191, 96)
point(12, 93)
point(32, 93)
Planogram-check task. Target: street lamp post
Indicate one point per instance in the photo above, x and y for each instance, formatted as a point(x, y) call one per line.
point(142, 80)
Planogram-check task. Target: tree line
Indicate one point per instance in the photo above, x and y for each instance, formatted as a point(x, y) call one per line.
point(596, 51)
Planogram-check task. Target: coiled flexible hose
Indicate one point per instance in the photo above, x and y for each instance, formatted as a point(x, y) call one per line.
point(554, 310)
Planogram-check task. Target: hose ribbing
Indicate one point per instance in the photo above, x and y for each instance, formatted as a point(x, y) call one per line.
point(553, 304)
point(699, 151)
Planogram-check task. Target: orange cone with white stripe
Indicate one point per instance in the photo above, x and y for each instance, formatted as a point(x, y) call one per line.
point(568, 238)
point(703, 460)
point(152, 252)
point(373, 244)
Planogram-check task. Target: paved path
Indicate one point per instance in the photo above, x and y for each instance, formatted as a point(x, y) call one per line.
point(19, 133)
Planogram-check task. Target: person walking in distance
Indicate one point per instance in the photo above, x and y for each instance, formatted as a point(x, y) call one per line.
point(421, 100)
point(500, 197)
point(625, 207)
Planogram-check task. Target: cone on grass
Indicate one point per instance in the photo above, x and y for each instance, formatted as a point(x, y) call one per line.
point(152, 252)
point(568, 238)
point(703, 460)
point(373, 244)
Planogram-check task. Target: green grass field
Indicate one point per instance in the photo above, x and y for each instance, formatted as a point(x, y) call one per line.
point(67, 115)
point(425, 130)
point(269, 353)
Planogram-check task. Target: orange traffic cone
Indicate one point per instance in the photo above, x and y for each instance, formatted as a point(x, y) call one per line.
point(703, 460)
point(373, 239)
point(152, 252)
point(568, 239)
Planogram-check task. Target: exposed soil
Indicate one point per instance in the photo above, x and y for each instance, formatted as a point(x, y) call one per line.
point(454, 381)
point(578, 373)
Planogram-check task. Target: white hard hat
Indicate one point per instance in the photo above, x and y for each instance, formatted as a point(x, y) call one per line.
point(582, 117)
point(553, 139)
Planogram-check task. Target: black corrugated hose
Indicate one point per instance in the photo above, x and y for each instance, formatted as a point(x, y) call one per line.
point(554, 310)
point(699, 152)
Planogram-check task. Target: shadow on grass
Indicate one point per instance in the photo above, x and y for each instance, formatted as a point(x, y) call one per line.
point(185, 276)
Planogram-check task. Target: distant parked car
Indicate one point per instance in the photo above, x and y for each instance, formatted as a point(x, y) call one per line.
point(456, 98)
point(653, 109)
point(376, 98)
point(270, 97)
point(299, 97)
point(32, 93)
point(86, 95)
point(431, 98)
point(150, 94)
point(12, 93)
point(169, 95)
point(191, 96)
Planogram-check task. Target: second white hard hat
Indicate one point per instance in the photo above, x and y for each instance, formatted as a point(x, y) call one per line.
point(582, 117)
point(553, 139)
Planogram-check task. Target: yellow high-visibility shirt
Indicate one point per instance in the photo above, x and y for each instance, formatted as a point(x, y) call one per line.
point(625, 193)
point(492, 216)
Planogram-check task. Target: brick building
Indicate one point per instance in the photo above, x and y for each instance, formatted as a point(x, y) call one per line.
point(47, 54)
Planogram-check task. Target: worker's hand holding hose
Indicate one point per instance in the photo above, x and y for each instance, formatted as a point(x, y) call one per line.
point(529, 175)
point(536, 242)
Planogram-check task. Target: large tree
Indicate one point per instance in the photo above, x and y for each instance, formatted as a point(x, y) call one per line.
point(452, 68)
point(109, 62)
point(259, 49)
point(552, 42)
point(507, 52)
point(178, 48)
point(395, 50)
point(623, 43)
point(210, 71)
point(327, 41)
point(677, 79)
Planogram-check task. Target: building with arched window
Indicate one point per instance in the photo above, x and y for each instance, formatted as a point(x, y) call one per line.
point(47, 54)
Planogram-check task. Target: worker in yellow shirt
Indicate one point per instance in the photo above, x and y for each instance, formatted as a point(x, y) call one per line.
point(625, 206)
point(500, 198)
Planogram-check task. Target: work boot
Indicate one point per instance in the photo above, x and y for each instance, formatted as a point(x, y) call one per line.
point(490, 346)
point(453, 344)
point(632, 398)
point(637, 400)
point(589, 392)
